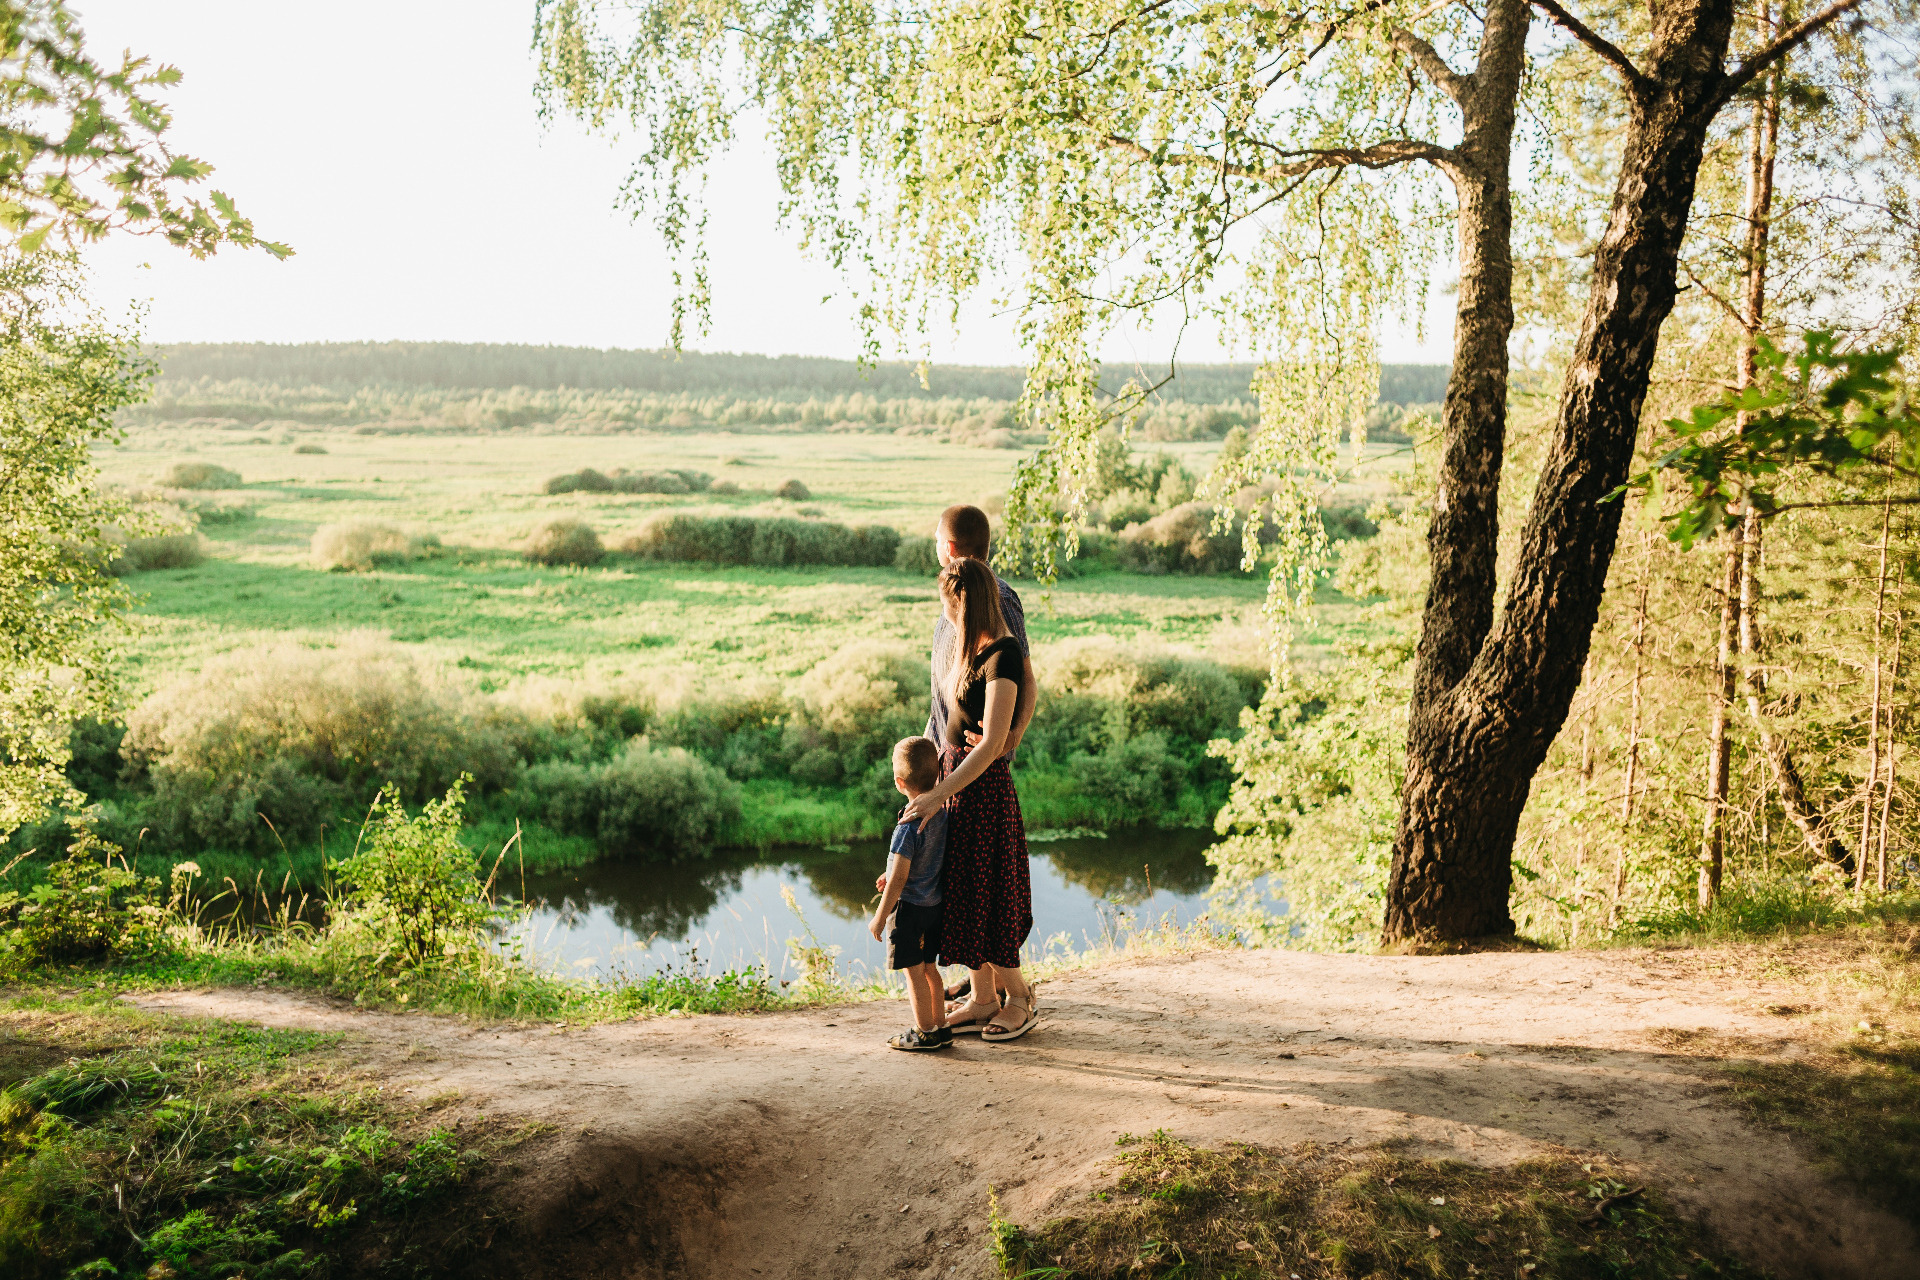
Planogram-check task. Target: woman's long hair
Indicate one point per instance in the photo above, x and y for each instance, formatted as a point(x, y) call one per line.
point(977, 591)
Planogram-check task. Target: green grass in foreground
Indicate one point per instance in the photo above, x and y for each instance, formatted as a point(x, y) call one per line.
point(133, 1144)
point(1315, 1213)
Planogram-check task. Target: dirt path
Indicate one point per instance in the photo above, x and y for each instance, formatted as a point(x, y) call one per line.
point(796, 1145)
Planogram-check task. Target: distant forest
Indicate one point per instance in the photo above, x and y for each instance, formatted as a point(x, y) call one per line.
point(345, 366)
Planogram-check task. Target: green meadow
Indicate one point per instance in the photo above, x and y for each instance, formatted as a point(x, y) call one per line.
point(480, 607)
point(633, 706)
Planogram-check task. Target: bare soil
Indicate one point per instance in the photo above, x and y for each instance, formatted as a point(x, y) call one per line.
point(797, 1145)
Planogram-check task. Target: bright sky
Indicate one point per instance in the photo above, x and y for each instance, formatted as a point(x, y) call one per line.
point(395, 146)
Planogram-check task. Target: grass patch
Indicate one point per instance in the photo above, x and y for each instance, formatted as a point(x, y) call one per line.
point(1852, 1097)
point(134, 1144)
point(1246, 1211)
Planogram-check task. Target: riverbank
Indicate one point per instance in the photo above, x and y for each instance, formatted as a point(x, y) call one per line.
point(795, 1144)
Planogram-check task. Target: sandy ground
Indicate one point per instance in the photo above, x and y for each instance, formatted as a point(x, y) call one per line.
point(796, 1145)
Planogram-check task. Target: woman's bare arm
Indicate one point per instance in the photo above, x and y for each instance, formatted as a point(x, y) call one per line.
point(1001, 698)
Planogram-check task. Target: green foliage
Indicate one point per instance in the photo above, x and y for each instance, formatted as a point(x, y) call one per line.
point(212, 1150)
point(296, 733)
point(917, 555)
point(85, 151)
point(1829, 411)
point(762, 540)
point(655, 801)
point(87, 907)
point(793, 491)
point(565, 542)
point(63, 375)
point(201, 475)
point(412, 881)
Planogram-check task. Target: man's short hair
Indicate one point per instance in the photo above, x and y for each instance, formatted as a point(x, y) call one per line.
point(967, 528)
point(916, 762)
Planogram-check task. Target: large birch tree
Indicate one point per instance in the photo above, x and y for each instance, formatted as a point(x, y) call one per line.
point(1287, 170)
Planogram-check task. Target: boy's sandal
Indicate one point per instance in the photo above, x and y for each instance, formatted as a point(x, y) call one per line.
point(914, 1040)
point(1006, 1031)
point(969, 1026)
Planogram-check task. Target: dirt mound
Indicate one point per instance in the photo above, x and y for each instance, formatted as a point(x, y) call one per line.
point(796, 1145)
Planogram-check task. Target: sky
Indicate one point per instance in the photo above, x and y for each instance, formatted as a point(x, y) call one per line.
point(396, 147)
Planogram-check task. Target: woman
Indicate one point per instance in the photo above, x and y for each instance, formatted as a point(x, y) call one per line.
point(986, 886)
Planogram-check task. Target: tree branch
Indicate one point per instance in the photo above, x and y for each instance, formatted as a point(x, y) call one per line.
point(1786, 42)
point(1380, 155)
point(1593, 40)
point(1433, 66)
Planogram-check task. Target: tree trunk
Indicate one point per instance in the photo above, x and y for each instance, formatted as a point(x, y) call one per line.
point(1801, 811)
point(1873, 717)
point(1713, 835)
point(1479, 729)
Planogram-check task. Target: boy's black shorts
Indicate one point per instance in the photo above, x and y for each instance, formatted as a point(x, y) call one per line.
point(915, 936)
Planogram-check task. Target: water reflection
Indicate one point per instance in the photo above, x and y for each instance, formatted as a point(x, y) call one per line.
point(641, 916)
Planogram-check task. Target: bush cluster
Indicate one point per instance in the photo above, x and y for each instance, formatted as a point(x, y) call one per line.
point(310, 448)
point(358, 545)
point(201, 475)
point(561, 542)
point(762, 540)
point(793, 491)
point(294, 734)
point(670, 480)
point(917, 554)
point(1181, 540)
point(655, 801)
point(161, 551)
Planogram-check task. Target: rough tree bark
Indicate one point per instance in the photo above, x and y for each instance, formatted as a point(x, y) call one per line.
point(1485, 712)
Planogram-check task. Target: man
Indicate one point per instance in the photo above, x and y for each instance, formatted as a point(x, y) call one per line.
point(964, 533)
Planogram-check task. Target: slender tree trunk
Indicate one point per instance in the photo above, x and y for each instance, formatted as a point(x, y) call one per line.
point(1639, 674)
point(1712, 855)
point(1886, 796)
point(1475, 741)
point(1873, 715)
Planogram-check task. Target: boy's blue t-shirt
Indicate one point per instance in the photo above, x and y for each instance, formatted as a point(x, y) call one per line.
point(926, 850)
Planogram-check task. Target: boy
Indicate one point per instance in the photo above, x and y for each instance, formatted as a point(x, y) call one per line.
point(911, 895)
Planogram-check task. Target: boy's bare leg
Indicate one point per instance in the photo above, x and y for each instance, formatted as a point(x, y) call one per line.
point(924, 996)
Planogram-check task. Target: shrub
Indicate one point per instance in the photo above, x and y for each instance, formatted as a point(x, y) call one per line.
point(793, 491)
point(359, 545)
point(86, 907)
point(762, 540)
point(917, 554)
point(1135, 781)
point(565, 542)
point(588, 480)
point(412, 880)
point(724, 487)
point(647, 800)
point(1180, 541)
point(309, 448)
point(201, 475)
point(1096, 696)
point(163, 551)
point(294, 733)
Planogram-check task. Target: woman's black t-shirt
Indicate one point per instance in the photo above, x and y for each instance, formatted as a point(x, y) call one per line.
point(1000, 660)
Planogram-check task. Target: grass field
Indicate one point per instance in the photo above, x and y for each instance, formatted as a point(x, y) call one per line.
point(782, 758)
point(481, 607)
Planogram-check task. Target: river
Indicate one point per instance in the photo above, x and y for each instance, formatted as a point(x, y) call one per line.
point(614, 919)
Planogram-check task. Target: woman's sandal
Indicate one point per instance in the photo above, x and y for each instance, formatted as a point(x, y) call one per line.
point(1011, 1032)
point(964, 988)
point(970, 1026)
